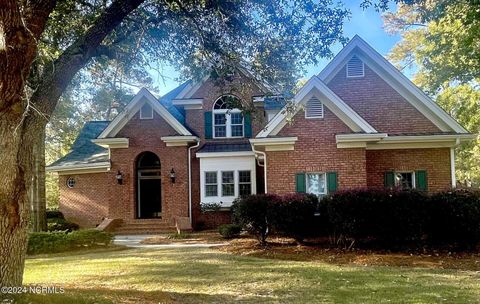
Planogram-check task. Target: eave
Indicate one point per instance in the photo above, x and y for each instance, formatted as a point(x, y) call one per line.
point(80, 169)
point(112, 143)
point(274, 143)
point(178, 141)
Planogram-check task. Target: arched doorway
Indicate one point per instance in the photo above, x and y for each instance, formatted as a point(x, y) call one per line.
point(149, 186)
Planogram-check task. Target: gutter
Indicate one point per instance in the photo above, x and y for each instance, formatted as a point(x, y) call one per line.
point(190, 178)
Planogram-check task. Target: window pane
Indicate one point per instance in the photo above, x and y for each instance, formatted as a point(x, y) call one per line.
point(316, 183)
point(220, 119)
point(245, 189)
point(237, 130)
point(237, 118)
point(210, 177)
point(228, 189)
point(404, 180)
point(244, 176)
point(227, 177)
point(210, 190)
point(220, 131)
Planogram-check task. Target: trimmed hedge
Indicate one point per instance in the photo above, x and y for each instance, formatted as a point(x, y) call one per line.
point(391, 219)
point(59, 241)
point(230, 231)
point(60, 224)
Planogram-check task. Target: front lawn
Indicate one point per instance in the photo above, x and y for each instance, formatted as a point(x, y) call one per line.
point(211, 276)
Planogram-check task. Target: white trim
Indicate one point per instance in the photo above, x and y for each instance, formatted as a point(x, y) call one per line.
point(355, 76)
point(275, 143)
point(315, 87)
point(111, 143)
point(394, 78)
point(150, 114)
point(175, 141)
point(452, 167)
point(134, 106)
point(224, 154)
point(80, 169)
point(189, 103)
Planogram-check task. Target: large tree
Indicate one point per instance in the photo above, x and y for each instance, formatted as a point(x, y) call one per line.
point(440, 44)
point(273, 38)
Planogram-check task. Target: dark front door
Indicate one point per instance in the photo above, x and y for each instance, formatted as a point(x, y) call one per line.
point(149, 186)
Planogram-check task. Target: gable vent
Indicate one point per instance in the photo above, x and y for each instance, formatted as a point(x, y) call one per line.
point(355, 67)
point(314, 108)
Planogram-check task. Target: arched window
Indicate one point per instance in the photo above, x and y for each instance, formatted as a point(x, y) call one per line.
point(227, 118)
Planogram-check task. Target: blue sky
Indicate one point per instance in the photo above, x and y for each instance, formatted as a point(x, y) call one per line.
point(367, 24)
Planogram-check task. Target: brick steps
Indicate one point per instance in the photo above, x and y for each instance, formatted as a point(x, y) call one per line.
point(145, 226)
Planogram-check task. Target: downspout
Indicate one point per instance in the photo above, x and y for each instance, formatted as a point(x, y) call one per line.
point(264, 165)
point(452, 163)
point(190, 179)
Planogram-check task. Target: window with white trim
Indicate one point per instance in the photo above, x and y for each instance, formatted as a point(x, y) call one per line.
point(316, 183)
point(244, 183)
point(355, 67)
point(146, 112)
point(211, 184)
point(405, 180)
point(227, 119)
point(314, 108)
point(228, 183)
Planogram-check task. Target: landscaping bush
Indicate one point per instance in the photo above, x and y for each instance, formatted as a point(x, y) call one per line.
point(53, 213)
point(293, 215)
point(59, 241)
point(230, 231)
point(254, 213)
point(454, 219)
point(60, 224)
point(389, 217)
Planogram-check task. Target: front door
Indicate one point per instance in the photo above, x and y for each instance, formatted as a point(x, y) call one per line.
point(149, 186)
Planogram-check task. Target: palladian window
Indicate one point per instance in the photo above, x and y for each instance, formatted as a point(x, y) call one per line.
point(228, 120)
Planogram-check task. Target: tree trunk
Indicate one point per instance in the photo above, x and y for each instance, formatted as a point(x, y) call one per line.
point(38, 195)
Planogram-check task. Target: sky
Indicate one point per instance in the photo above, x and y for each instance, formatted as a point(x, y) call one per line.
point(368, 24)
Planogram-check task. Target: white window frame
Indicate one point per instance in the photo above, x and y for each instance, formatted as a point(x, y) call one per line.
point(355, 76)
point(142, 114)
point(244, 183)
point(314, 117)
point(228, 119)
point(414, 178)
point(210, 184)
point(324, 178)
point(234, 183)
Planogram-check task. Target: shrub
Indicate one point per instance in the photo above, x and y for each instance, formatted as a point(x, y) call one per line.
point(294, 216)
point(60, 224)
point(454, 219)
point(230, 231)
point(254, 214)
point(59, 241)
point(390, 217)
point(52, 213)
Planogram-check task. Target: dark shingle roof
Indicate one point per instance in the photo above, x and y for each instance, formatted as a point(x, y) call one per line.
point(213, 147)
point(271, 103)
point(83, 150)
point(166, 101)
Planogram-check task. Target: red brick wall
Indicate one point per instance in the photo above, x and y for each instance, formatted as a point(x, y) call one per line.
point(379, 104)
point(435, 161)
point(87, 202)
point(315, 151)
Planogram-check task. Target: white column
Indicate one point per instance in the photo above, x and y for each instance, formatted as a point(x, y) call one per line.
point(452, 167)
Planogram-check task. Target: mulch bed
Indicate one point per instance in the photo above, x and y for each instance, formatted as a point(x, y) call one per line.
point(287, 249)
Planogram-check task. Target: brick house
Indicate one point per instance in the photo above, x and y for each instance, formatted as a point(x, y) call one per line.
point(359, 123)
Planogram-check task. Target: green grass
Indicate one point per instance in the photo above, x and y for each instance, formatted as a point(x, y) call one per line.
point(209, 276)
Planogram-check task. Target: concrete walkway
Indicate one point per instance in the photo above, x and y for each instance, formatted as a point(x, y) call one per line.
point(134, 241)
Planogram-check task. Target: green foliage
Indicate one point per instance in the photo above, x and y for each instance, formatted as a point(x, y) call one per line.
point(60, 224)
point(210, 207)
point(52, 242)
point(54, 214)
point(230, 231)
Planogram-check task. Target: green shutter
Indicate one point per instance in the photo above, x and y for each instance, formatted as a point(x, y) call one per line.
point(300, 183)
point(248, 125)
point(332, 182)
point(421, 180)
point(208, 124)
point(389, 179)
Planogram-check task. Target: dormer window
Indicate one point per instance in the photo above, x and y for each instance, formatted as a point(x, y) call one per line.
point(227, 119)
point(314, 108)
point(355, 67)
point(146, 112)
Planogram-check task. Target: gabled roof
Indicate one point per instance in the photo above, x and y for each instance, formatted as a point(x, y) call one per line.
point(164, 109)
point(315, 87)
point(398, 81)
point(84, 151)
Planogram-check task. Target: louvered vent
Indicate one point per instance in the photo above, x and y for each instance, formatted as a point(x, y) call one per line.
point(314, 108)
point(355, 67)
